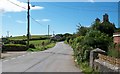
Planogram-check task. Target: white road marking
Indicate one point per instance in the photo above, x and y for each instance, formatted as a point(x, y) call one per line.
point(32, 52)
point(23, 55)
point(13, 58)
point(5, 60)
point(19, 56)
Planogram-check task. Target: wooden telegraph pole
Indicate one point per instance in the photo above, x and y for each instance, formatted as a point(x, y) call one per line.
point(28, 25)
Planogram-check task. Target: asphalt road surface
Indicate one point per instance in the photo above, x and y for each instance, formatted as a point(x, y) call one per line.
point(56, 59)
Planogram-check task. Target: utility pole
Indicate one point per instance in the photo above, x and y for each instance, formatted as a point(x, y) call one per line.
point(48, 29)
point(28, 25)
point(53, 34)
point(7, 33)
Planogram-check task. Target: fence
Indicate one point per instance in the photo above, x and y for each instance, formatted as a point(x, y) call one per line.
point(111, 60)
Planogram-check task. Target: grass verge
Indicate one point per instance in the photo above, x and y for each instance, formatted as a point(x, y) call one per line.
point(85, 68)
point(41, 48)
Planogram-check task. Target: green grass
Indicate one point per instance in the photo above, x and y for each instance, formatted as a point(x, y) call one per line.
point(114, 53)
point(14, 45)
point(35, 42)
point(85, 68)
point(24, 37)
point(38, 45)
point(41, 48)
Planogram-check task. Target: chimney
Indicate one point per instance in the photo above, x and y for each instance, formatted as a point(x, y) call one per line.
point(105, 18)
point(97, 20)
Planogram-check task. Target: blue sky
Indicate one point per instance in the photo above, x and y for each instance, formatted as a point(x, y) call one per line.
point(61, 16)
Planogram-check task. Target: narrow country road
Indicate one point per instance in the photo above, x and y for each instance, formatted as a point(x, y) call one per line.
point(56, 59)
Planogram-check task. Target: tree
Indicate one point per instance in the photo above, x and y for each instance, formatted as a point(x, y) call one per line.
point(97, 39)
point(67, 34)
point(104, 27)
point(81, 30)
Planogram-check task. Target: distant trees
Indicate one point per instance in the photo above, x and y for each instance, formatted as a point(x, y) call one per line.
point(62, 37)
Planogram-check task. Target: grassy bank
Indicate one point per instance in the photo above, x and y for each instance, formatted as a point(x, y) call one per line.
point(86, 69)
point(41, 45)
point(41, 48)
point(25, 37)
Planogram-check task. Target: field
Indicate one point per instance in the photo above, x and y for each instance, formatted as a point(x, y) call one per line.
point(39, 42)
point(39, 45)
point(24, 37)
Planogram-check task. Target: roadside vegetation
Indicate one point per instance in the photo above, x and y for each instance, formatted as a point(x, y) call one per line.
point(98, 35)
point(37, 43)
point(40, 45)
point(25, 37)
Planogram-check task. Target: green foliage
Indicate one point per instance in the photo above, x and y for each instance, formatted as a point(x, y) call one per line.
point(41, 48)
point(32, 46)
point(96, 39)
point(81, 30)
point(117, 30)
point(5, 40)
point(99, 35)
point(82, 45)
point(40, 45)
point(18, 42)
point(13, 47)
point(39, 42)
point(114, 53)
point(105, 27)
point(32, 37)
point(85, 68)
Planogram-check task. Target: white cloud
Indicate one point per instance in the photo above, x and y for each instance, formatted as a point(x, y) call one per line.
point(38, 20)
point(20, 22)
point(7, 6)
point(91, 0)
point(43, 20)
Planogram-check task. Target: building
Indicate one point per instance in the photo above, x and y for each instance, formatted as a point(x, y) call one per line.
point(116, 38)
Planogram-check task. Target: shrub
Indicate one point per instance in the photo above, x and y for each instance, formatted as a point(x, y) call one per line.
point(96, 39)
point(5, 40)
point(114, 53)
point(13, 47)
point(31, 46)
point(105, 27)
point(18, 42)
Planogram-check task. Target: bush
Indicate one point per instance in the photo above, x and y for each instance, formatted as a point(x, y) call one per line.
point(18, 42)
point(13, 47)
point(5, 40)
point(114, 53)
point(96, 39)
point(31, 46)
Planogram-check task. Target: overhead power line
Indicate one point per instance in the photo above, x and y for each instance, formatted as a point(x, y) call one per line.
point(16, 4)
point(26, 9)
point(35, 20)
point(76, 7)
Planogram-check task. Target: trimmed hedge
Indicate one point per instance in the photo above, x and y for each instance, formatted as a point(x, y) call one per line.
point(13, 47)
point(18, 42)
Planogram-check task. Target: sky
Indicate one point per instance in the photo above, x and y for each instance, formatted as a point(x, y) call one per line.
point(61, 16)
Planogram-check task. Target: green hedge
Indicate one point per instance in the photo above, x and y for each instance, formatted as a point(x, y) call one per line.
point(14, 47)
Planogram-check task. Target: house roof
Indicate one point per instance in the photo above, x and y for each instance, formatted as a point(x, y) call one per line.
point(116, 34)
